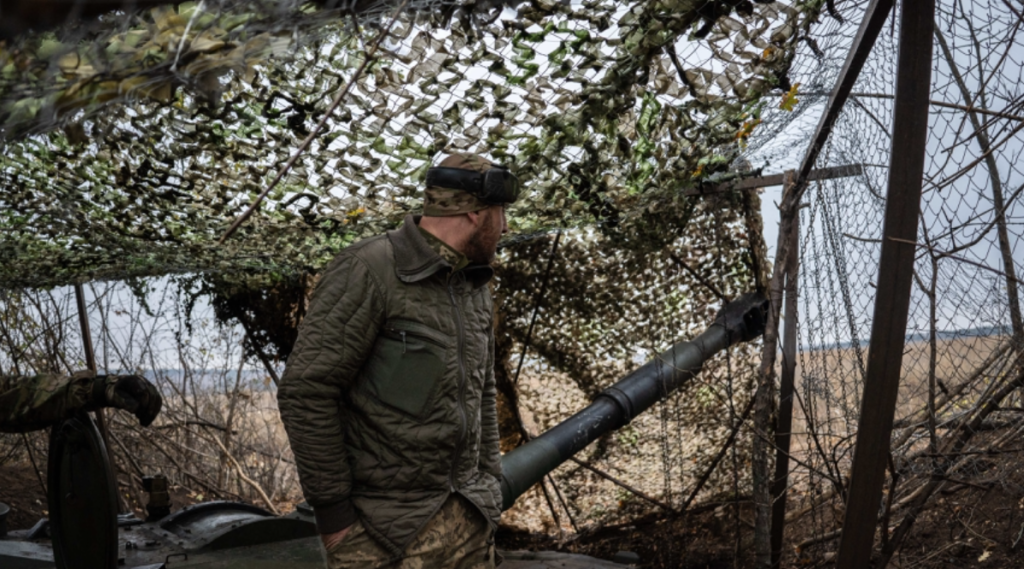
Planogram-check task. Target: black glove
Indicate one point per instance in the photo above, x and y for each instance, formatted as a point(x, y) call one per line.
point(134, 394)
point(744, 318)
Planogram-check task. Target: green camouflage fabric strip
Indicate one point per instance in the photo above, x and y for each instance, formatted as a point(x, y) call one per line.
point(457, 537)
point(29, 403)
point(456, 259)
point(443, 202)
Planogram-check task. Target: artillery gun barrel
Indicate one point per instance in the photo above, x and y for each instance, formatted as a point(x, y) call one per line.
point(739, 321)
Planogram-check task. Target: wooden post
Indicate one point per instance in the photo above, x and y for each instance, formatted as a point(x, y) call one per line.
point(90, 362)
point(874, 18)
point(784, 420)
point(895, 275)
point(760, 182)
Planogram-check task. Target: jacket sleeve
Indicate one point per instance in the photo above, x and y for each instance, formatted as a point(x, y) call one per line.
point(334, 339)
point(31, 403)
point(490, 454)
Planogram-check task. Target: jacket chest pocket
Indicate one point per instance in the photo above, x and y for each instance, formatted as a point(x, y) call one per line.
point(406, 366)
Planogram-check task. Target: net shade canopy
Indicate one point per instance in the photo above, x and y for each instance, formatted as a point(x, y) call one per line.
point(131, 143)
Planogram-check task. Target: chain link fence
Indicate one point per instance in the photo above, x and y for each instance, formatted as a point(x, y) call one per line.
point(619, 117)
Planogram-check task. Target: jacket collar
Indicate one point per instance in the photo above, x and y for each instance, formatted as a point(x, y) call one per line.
point(415, 260)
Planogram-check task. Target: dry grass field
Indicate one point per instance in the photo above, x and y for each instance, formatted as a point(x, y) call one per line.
point(829, 384)
point(182, 445)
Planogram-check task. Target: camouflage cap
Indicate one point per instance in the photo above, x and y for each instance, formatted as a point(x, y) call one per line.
point(442, 202)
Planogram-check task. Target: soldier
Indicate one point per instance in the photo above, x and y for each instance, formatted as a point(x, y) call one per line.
point(29, 403)
point(389, 397)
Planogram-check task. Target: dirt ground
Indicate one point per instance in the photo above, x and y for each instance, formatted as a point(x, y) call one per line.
point(974, 522)
point(20, 489)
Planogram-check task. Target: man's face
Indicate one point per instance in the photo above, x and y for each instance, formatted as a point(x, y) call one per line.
point(484, 243)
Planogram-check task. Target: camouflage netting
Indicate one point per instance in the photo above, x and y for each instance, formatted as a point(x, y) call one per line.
point(605, 308)
point(581, 99)
point(133, 143)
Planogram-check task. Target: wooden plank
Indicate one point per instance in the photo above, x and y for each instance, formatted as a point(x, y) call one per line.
point(872, 23)
point(784, 422)
point(778, 179)
point(895, 275)
point(874, 18)
point(90, 362)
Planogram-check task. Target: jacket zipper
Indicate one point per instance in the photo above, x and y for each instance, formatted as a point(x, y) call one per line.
point(461, 387)
point(417, 330)
point(401, 333)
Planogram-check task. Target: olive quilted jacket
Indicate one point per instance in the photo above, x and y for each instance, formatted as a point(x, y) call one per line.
point(388, 397)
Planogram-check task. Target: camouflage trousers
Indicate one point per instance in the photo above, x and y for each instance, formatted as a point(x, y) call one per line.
point(457, 537)
point(29, 403)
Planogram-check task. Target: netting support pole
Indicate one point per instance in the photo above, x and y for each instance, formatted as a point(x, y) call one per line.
point(874, 18)
point(784, 416)
point(90, 362)
point(895, 276)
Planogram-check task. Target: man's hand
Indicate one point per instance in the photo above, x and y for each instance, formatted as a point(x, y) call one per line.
point(134, 394)
point(332, 539)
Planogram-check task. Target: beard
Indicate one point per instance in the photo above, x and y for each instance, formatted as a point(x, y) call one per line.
point(483, 245)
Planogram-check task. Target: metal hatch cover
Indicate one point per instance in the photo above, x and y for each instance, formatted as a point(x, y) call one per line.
point(81, 496)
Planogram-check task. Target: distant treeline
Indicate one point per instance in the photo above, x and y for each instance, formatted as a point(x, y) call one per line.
point(255, 378)
point(979, 332)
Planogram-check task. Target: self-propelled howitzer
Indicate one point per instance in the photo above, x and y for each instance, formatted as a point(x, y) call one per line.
point(88, 533)
point(741, 320)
